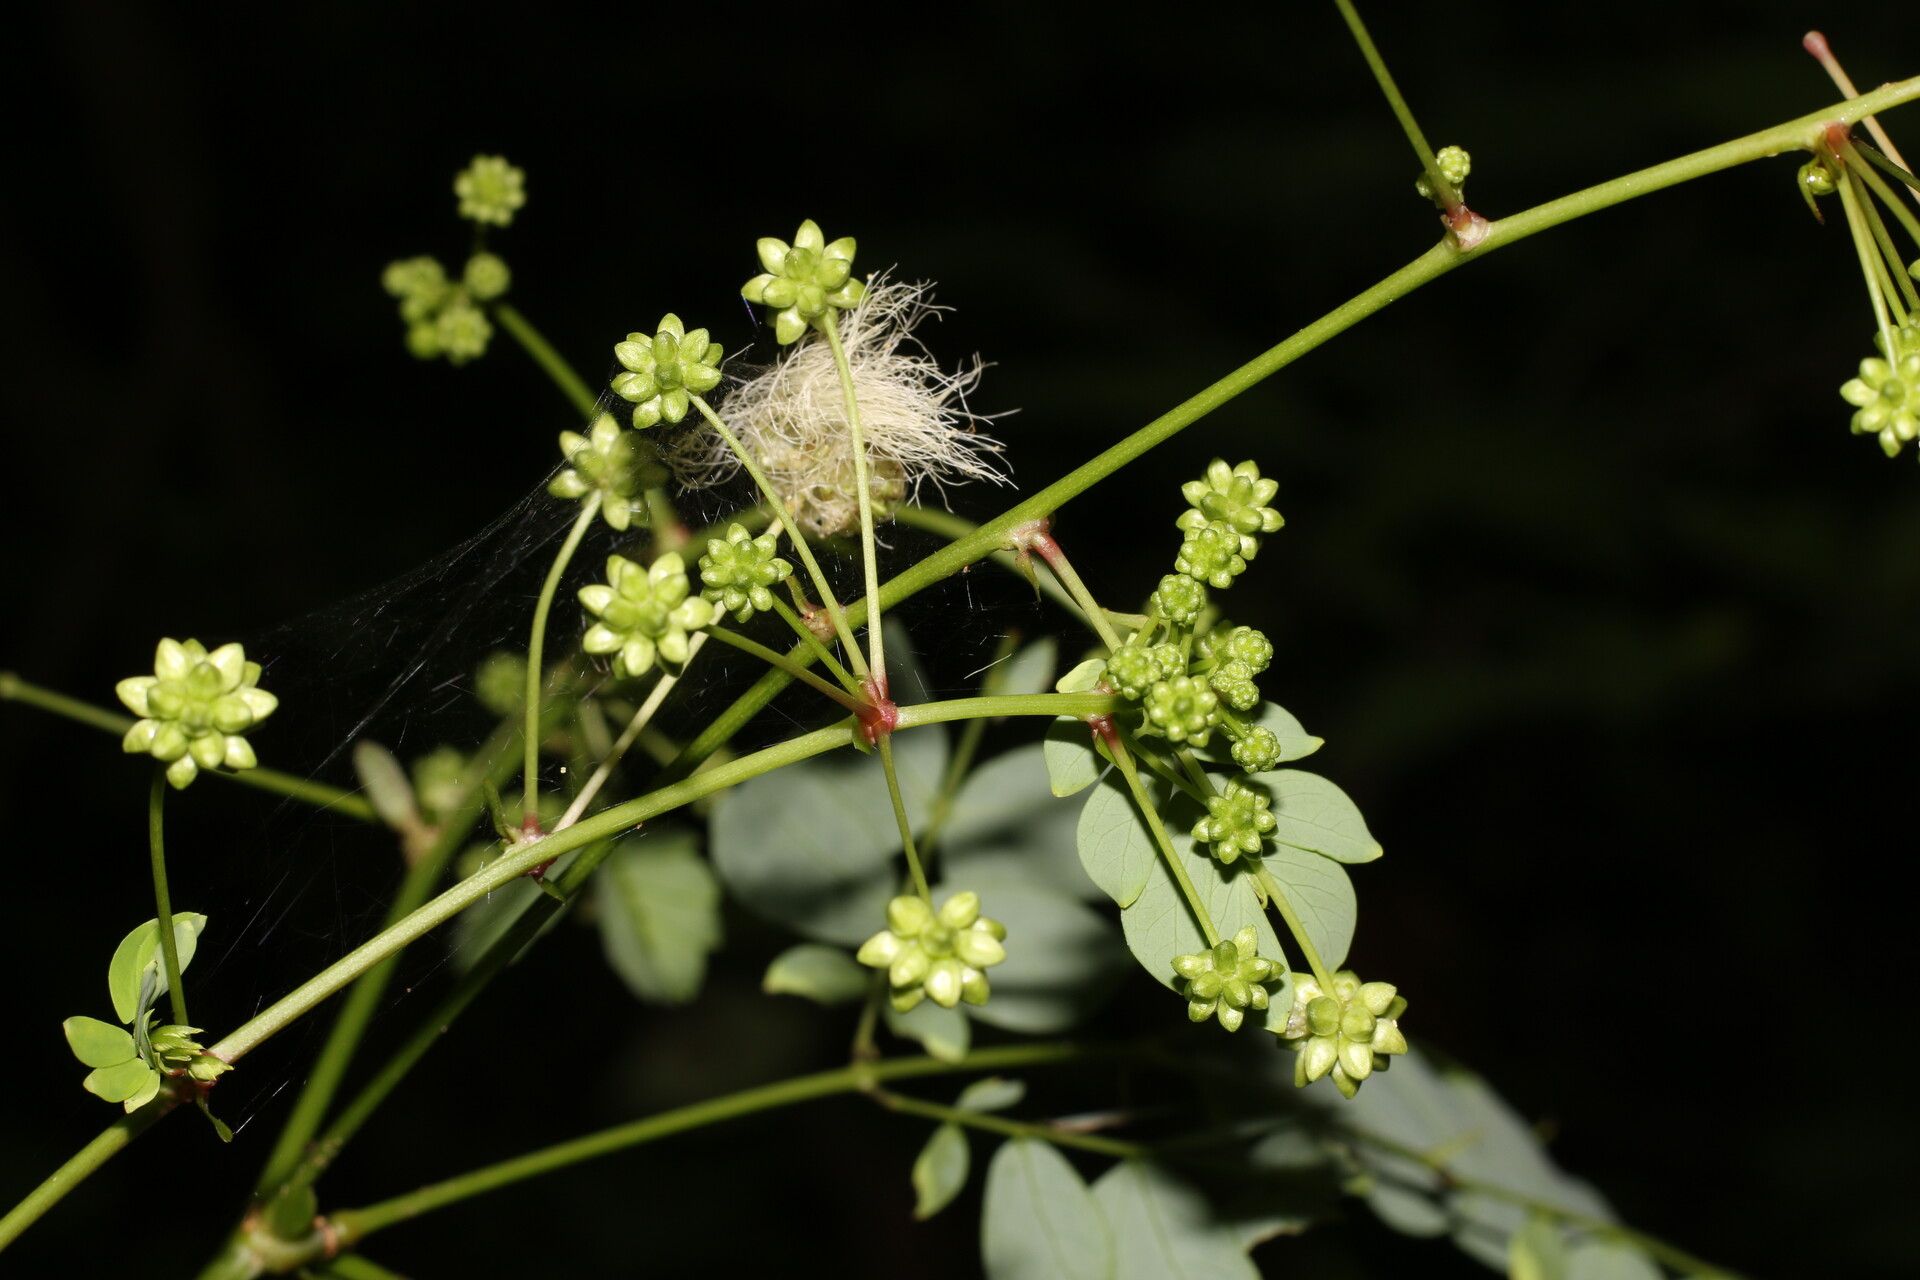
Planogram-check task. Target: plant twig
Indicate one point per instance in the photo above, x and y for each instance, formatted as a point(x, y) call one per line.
point(162, 899)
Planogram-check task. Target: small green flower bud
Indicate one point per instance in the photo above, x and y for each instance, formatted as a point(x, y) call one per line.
point(645, 614)
point(664, 372)
point(1234, 683)
point(1886, 399)
point(194, 709)
point(1227, 980)
point(612, 461)
point(1179, 599)
point(802, 281)
point(490, 190)
point(1454, 165)
point(1136, 668)
point(1235, 822)
point(1184, 709)
point(1258, 750)
point(936, 955)
point(486, 276)
point(1348, 1033)
point(500, 683)
point(420, 284)
point(1237, 497)
point(1211, 554)
point(1246, 645)
point(1816, 178)
point(462, 331)
point(440, 777)
point(738, 570)
point(423, 341)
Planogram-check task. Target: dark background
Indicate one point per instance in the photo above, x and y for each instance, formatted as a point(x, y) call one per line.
point(1607, 619)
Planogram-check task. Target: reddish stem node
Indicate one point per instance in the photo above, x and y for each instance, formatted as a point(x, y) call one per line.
point(1468, 227)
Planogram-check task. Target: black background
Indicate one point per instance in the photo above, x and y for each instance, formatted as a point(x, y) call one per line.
point(1608, 621)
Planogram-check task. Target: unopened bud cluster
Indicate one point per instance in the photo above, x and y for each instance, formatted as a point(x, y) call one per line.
point(1347, 1033)
point(645, 614)
point(1226, 980)
point(935, 955)
point(446, 317)
point(739, 571)
point(613, 462)
point(194, 709)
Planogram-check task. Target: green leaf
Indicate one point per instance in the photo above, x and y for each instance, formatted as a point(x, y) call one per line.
point(1039, 1221)
point(1072, 763)
point(1159, 925)
point(1313, 814)
point(97, 1043)
point(1063, 958)
point(1536, 1252)
point(659, 915)
point(1031, 669)
point(386, 784)
point(1295, 742)
point(1006, 825)
point(1321, 894)
point(944, 1033)
point(940, 1171)
point(122, 1081)
point(813, 846)
point(140, 950)
point(1163, 1229)
point(1082, 678)
point(1609, 1260)
point(995, 1093)
point(824, 975)
point(1116, 849)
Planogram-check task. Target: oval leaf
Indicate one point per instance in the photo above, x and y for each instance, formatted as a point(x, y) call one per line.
point(122, 1081)
point(1028, 671)
point(1160, 925)
point(1295, 742)
point(944, 1033)
point(1321, 894)
point(822, 974)
point(940, 1171)
point(97, 1043)
point(1072, 763)
point(1063, 958)
point(1313, 814)
point(995, 1093)
point(1163, 1229)
point(1116, 849)
point(659, 915)
point(1609, 1260)
point(139, 950)
point(813, 846)
point(1040, 1222)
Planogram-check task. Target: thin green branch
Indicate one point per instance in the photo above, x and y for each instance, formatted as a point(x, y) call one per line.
point(571, 384)
point(162, 899)
point(1278, 897)
point(536, 659)
point(964, 751)
point(354, 1225)
point(1150, 814)
point(318, 794)
point(76, 1170)
point(829, 324)
point(813, 643)
point(1008, 704)
point(781, 662)
point(1443, 191)
point(642, 716)
point(1871, 267)
point(1049, 550)
point(1058, 1136)
point(885, 746)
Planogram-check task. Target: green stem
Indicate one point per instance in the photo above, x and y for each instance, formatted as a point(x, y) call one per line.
point(1443, 190)
point(829, 324)
point(354, 1225)
point(76, 1170)
point(812, 642)
point(1278, 896)
point(571, 384)
point(628, 736)
point(493, 763)
point(964, 752)
point(1056, 559)
point(162, 900)
point(1144, 802)
point(536, 659)
point(1888, 196)
point(1008, 704)
point(1870, 264)
point(782, 662)
point(1011, 1128)
point(885, 744)
point(1804, 133)
point(355, 1267)
point(318, 794)
point(1895, 278)
point(794, 536)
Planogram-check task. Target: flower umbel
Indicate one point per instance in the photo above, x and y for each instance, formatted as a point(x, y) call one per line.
point(612, 461)
point(1227, 980)
point(1886, 395)
point(802, 281)
point(194, 709)
point(1235, 822)
point(1235, 496)
point(1184, 709)
point(645, 614)
point(738, 570)
point(935, 954)
point(1348, 1033)
point(490, 190)
point(664, 372)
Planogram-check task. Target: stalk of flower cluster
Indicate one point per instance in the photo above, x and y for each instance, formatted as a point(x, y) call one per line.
point(1149, 811)
point(162, 900)
point(805, 552)
point(829, 324)
point(885, 744)
point(1443, 190)
point(536, 656)
point(1870, 265)
point(629, 735)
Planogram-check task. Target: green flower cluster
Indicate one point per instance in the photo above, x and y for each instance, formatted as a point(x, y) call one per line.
point(645, 614)
point(1348, 1033)
point(938, 955)
point(1236, 821)
point(612, 462)
point(1454, 165)
point(664, 372)
point(1227, 513)
point(1227, 980)
point(490, 191)
point(803, 281)
point(1886, 395)
point(738, 571)
point(194, 708)
point(443, 316)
